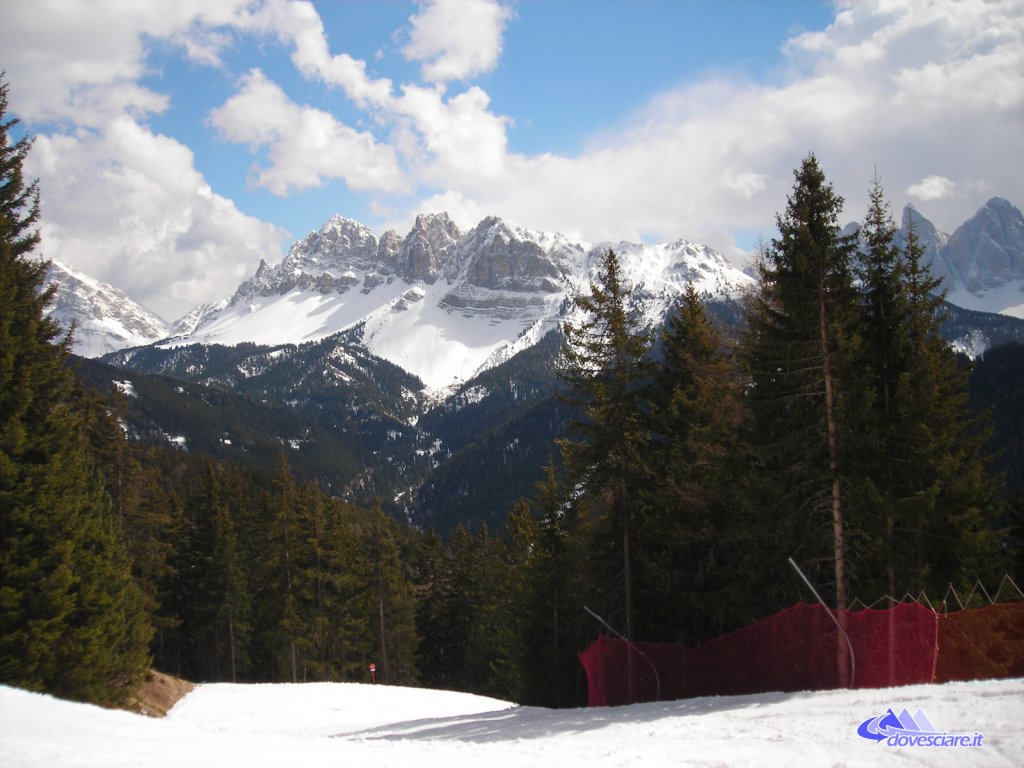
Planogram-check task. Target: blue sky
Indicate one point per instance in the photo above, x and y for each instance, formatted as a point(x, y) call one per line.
point(178, 143)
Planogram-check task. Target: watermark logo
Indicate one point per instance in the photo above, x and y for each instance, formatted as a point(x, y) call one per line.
point(906, 730)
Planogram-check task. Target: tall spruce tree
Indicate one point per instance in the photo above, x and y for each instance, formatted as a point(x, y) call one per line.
point(696, 412)
point(606, 368)
point(885, 357)
point(283, 599)
point(218, 621)
point(71, 618)
point(391, 601)
point(800, 340)
point(929, 503)
point(948, 501)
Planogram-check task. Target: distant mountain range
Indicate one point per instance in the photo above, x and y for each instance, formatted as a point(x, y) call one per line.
point(441, 304)
point(446, 305)
point(418, 371)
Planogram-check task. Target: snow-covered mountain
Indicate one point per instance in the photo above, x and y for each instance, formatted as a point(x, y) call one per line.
point(442, 304)
point(446, 305)
point(982, 263)
point(105, 318)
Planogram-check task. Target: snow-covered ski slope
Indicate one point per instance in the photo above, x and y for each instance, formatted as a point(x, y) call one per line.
point(345, 725)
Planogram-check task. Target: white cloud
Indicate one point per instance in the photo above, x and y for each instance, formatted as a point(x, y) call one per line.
point(932, 188)
point(900, 86)
point(455, 142)
point(434, 138)
point(745, 184)
point(127, 206)
point(297, 23)
point(80, 63)
point(306, 146)
point(457, 39)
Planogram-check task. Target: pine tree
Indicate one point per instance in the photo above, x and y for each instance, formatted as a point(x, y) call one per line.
point(391, 601)
point(347, 637)
point(799, 346)
point(949, 502)
point(696, 413)
point(885, 356)
point(439, 647)
point(286, 629)
point(71, 618)
point(490, 647)
point(928, 501)
point(606, 368)
point(142, 502)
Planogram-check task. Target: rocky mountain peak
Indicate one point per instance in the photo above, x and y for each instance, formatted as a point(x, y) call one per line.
point(105, 319)
point(500, 257)
point(427, 247)
point(987, 251)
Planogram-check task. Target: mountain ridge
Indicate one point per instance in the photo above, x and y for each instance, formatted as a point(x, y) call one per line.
point(442, 304)
point(446, 304)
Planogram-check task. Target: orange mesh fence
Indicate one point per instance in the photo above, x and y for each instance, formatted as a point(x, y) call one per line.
point(985, 642)
point(798, 649)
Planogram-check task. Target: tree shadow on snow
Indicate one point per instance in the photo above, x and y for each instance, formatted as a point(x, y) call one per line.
point(535, 722)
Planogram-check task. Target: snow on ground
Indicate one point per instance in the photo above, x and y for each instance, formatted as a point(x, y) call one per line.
point(313, 725)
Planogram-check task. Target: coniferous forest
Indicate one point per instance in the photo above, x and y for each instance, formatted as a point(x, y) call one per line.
point(834, 428)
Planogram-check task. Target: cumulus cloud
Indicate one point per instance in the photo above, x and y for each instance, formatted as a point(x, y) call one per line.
point(80, 63)
point(120, 201)
point(126, 205)
point(457, 39)
point(306, 146)
point(892, 85)
point(299, 25)
point(932, 188)
point(435, 137)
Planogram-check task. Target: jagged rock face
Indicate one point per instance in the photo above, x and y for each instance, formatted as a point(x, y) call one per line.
point(988, 250)
point(326, 261)
point(340, 244)
point(507, 272)
point(502, 259)
point(427, 248)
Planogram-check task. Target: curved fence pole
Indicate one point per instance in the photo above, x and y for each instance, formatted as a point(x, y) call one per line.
point(631, 644)
point(853, 663)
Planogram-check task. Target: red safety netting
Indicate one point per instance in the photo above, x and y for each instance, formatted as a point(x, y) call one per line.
point(799, 649)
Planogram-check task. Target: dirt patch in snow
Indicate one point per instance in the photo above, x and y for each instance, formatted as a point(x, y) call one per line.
point(158, 693)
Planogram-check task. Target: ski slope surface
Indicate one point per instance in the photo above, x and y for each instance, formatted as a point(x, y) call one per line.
point(329, 724)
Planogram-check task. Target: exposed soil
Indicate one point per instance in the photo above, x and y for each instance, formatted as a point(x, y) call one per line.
point(157, 694)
